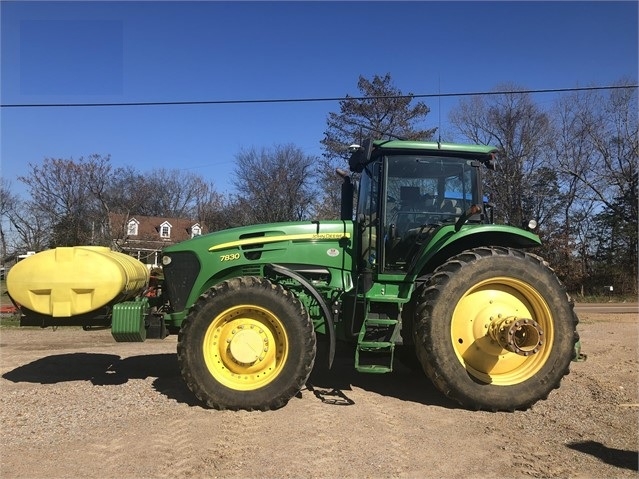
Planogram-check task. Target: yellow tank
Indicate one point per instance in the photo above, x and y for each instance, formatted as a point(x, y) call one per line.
point(65, 282)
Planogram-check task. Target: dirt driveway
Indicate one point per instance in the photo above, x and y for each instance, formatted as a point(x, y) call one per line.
point(75, 404)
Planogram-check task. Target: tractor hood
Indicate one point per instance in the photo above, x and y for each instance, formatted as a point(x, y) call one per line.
point(265, 238)
point(192, 266)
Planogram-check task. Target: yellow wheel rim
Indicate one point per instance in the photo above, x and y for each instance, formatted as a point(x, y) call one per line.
point(489, 301)
point(245, 347)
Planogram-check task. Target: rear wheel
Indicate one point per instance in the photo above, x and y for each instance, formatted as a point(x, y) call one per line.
point(247, 344)
point(495, 329)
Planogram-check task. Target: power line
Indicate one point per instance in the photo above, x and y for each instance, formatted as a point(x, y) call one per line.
point(305, 100)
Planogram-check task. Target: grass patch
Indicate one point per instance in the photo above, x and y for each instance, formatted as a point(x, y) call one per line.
point(605, 298)
point(9, 320)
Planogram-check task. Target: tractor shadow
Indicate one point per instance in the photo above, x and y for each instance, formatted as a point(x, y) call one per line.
point(620, 458)
point(330, 386)
point(107, 370)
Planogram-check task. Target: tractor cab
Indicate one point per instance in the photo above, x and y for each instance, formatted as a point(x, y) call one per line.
point(408, 190)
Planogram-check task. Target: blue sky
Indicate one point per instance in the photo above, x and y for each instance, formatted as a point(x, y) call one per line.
point(103, 52)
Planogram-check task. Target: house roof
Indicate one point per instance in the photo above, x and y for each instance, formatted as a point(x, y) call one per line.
point(149, 230)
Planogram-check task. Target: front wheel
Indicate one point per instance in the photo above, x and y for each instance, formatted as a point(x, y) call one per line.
point(495, 329)
point(247, 344)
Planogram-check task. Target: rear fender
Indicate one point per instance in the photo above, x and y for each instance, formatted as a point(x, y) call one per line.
point(447, 243)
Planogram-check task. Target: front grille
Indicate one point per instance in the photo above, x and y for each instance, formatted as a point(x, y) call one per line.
point(179, 277)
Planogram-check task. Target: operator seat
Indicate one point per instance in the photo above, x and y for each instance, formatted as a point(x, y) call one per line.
point(451, 208)
point(410, 200)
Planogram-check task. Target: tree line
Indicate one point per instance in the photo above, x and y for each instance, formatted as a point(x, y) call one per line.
point(570, 166)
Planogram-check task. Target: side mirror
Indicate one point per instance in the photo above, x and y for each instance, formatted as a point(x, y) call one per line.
point(361, 155)
point(346, 212)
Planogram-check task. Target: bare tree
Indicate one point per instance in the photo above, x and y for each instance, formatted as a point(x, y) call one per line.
point(159, 192)
point(8, 204)
point(222, 212)
point(607, 134)
point(521, 131)
point(275, 184)
point(172, 193)
point(598, 153)
point(218, 212)
point(64, 191)
point(384, 113)
point(127, 193)
point(32, 230)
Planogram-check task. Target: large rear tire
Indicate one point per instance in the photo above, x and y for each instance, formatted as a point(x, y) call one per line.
point(461, 317)
point(247, 344)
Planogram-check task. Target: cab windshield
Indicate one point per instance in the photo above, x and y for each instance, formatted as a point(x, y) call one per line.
point(423, 192)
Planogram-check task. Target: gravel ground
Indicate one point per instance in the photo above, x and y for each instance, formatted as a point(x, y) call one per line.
point(76, 404)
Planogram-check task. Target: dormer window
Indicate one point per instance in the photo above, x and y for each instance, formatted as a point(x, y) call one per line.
point(132, 227)
point(165, 230)
point(196, 230)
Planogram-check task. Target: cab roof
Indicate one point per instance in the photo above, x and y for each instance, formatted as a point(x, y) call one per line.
point(433, 146)
point(371, 150)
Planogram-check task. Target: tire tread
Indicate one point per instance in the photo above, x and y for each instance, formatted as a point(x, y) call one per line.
point(431, 294)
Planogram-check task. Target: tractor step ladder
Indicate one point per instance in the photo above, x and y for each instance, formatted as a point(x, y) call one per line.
point(375, 356)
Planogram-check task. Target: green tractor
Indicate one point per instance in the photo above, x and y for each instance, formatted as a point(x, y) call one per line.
point(422, 275)
point(422, 271)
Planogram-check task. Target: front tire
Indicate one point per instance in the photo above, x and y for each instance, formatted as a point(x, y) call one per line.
point(246, 344)
point(463, 301)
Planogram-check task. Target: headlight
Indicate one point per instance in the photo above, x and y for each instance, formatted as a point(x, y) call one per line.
point(532, 224)
point(166, 260)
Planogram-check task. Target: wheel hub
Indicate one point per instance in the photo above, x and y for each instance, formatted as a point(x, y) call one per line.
point(246, 346)
point(521, 336)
